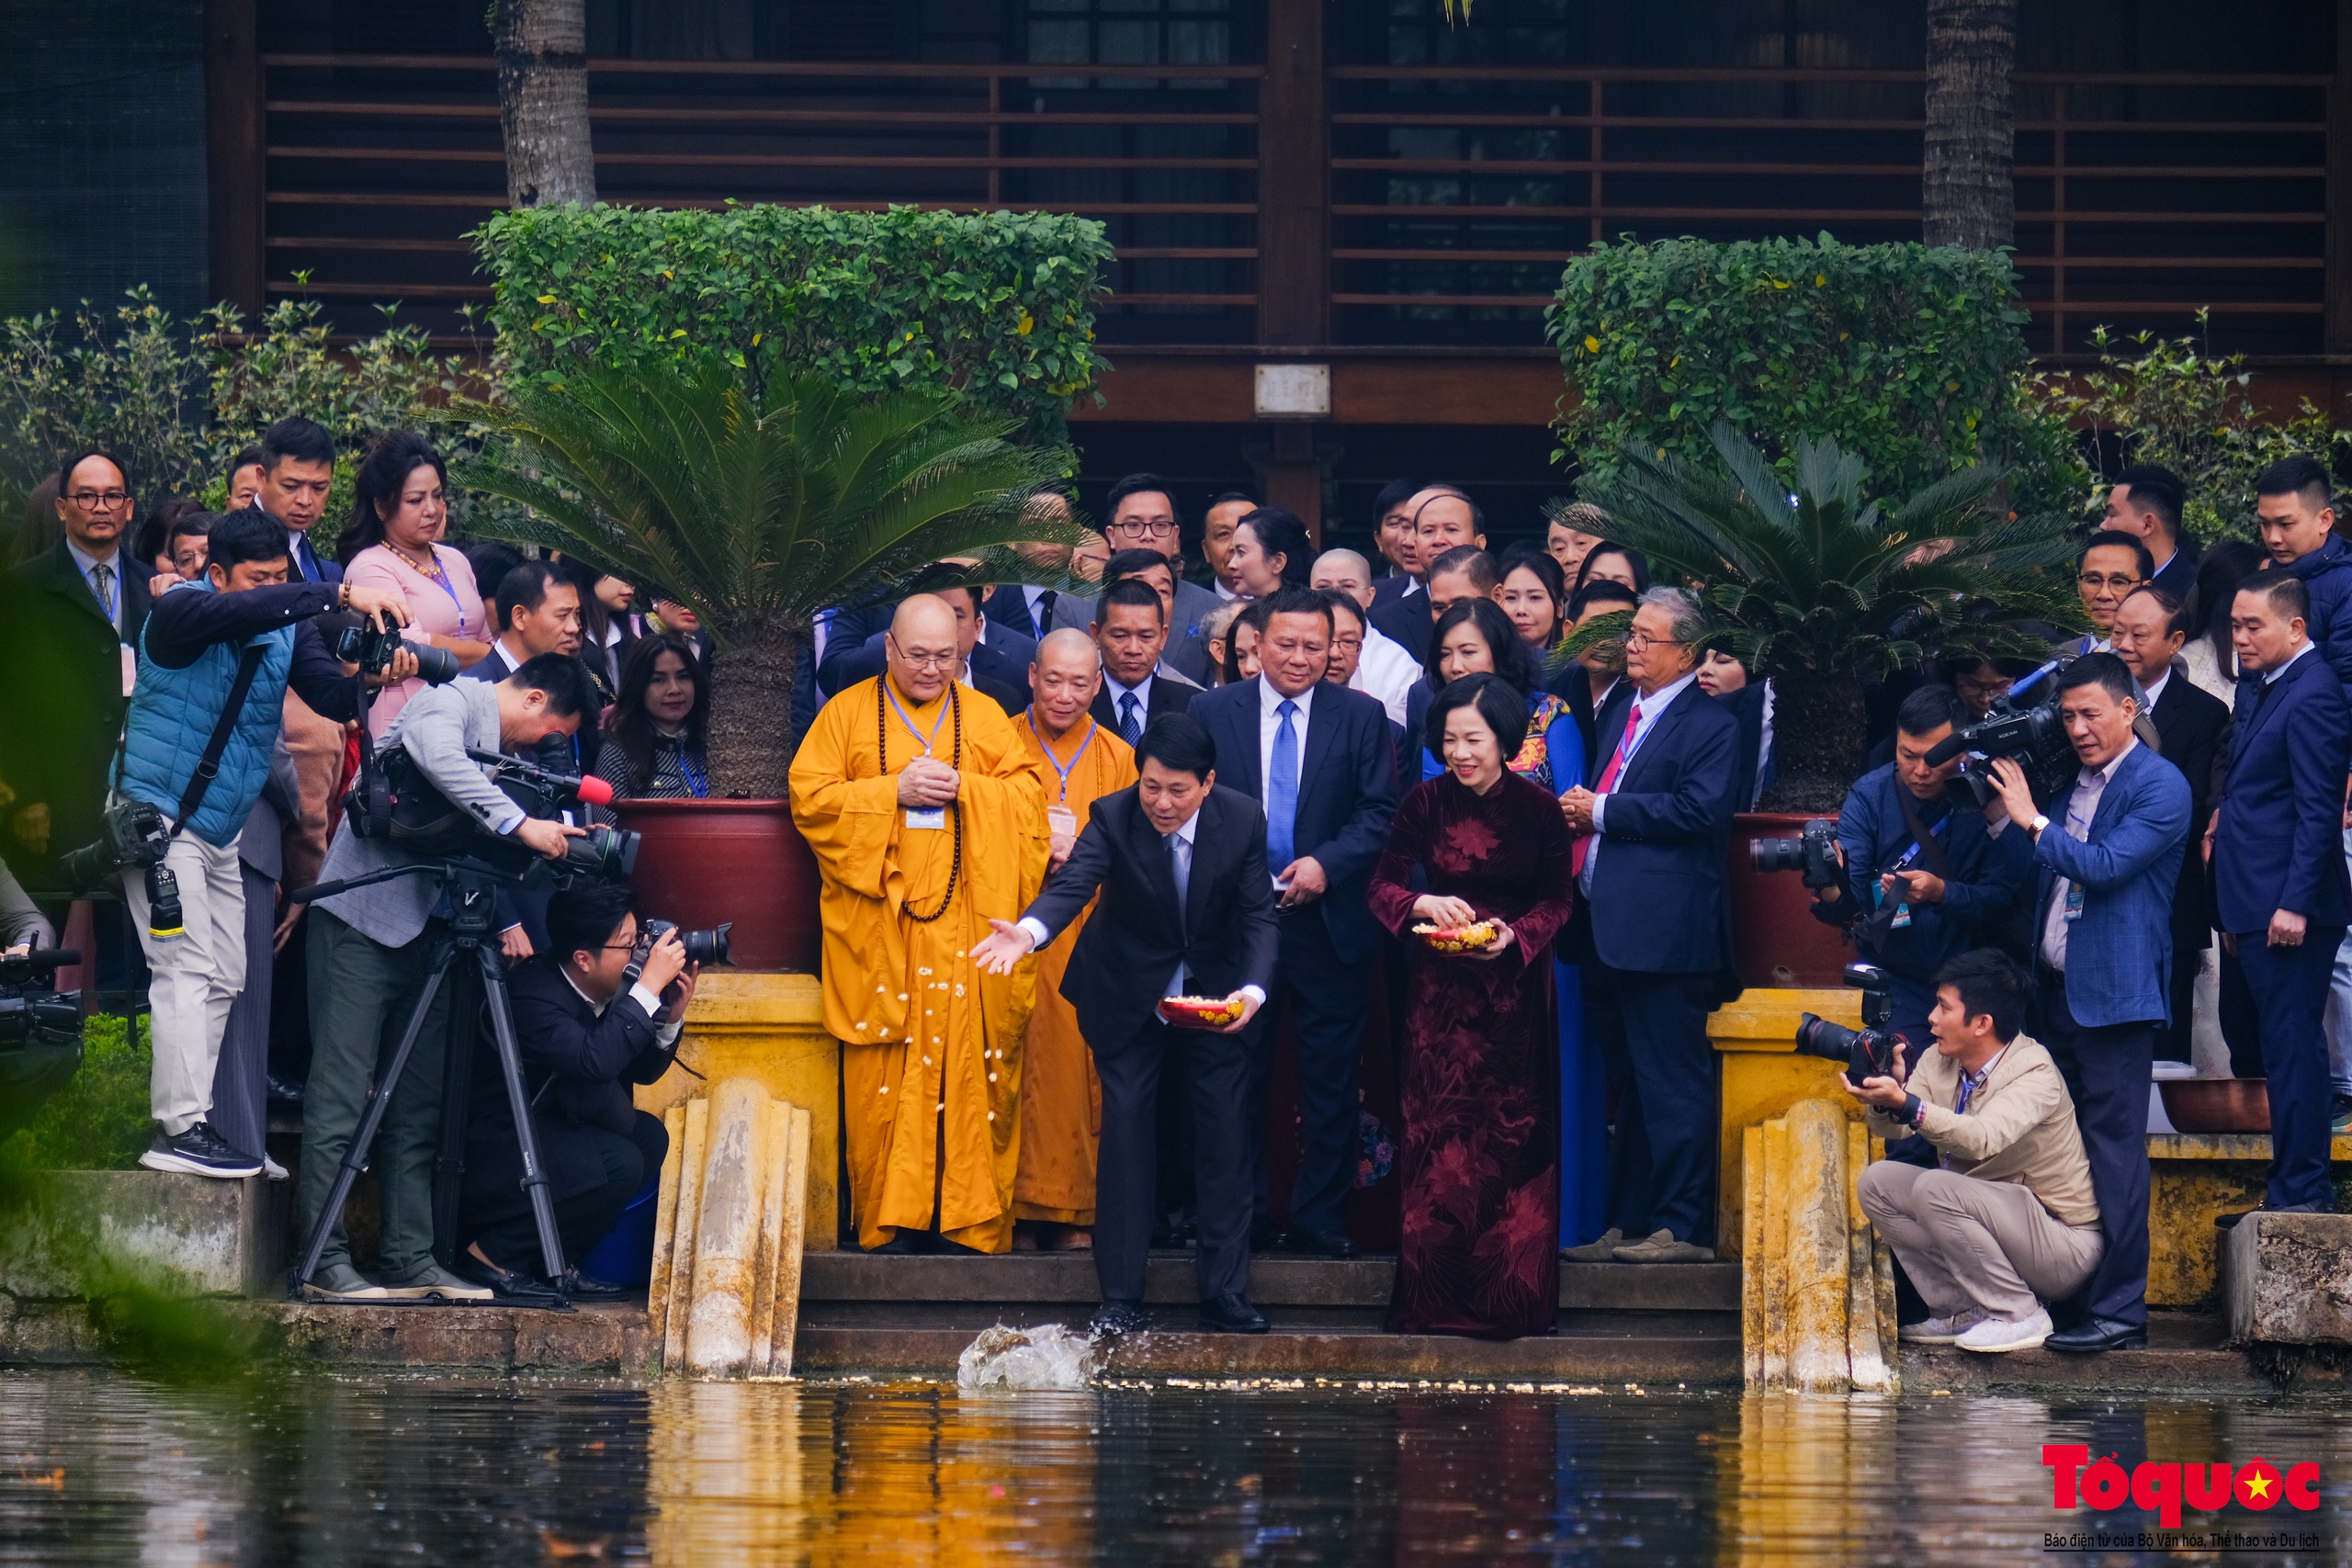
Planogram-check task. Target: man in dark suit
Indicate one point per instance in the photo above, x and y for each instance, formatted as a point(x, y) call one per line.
point(2107, 865)
point(81, 605)
point(2192, 730)
point(2279, 884)
point(1187, 909)
point(2145, 501)
point(1319, 759)
point(999, 667)
point(1650, 864)
point(1142, 512)
point(1130, 629)
point(1463, 572)
point(297, 469)
point(1393, 536)
point(592, 1017)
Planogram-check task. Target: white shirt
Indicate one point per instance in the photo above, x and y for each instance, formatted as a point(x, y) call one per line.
point(1116, 695)
point(2090, 784)
point(2153, 693)
point(1652, 708)
point(111, 602)
point(1222, 590)
point(1270, 724)
point(665, 1033)
point(2270, 675)
point(1385, 671)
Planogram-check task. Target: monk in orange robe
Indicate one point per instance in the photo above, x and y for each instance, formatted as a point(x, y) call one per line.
point(927, 817)
point(1061, 1102)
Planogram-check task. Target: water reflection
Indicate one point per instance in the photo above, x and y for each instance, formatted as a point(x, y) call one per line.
point(96, 1467)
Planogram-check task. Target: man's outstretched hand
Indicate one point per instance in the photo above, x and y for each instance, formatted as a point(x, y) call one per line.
point(1005, 945)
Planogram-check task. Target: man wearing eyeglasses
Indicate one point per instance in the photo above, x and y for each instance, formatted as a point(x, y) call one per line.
point(84, 603)
point(1143, 517)
point(2112, 564)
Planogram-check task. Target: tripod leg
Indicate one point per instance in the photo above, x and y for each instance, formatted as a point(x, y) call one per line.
point(355, 1159)
point(510, 1062)
point(457, 1107)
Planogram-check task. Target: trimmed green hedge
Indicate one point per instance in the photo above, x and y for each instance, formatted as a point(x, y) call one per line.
point(999, 305)
point(1910, 356)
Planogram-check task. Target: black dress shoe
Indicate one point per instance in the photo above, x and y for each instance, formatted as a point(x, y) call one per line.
point(588, 1288)
point(1319, 1244)
point(2098, 1333)
point(1231, 1315)
point(1117, 1317)
point(899, 1245)
point(1265, 1235)
point(507, 1283)
point(282, 1091)
point(2230, 1222)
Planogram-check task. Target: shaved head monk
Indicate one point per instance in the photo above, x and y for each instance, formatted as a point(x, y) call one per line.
point(1053, 1194)
point(927, 815)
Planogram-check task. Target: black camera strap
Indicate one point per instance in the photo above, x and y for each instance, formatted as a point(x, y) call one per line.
point(1929, 850)
point(208, 767)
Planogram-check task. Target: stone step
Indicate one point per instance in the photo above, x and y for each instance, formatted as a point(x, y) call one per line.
point(1362, 1284)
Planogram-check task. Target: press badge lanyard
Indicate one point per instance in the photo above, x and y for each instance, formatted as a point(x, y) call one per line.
point(698, 784)
point(924, 739)
point(1064, 771)
point(1902, 910)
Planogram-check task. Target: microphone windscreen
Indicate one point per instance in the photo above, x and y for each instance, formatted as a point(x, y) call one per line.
point(595, 791)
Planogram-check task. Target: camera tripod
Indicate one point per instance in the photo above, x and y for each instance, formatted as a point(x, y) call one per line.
point(472, 889)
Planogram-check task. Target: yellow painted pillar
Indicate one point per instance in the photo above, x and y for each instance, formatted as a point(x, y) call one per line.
point(769, 1028)
point(1755, 1040)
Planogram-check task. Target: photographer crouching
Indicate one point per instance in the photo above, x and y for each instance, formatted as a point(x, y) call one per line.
point(2007, 1221)
point(218, 656)
point(1923, 877)
point(597, 1011)
point(370, 950)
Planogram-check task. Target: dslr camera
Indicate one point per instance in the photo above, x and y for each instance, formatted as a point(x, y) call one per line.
point(394, 800)
point(1815, 852)
point(1868, 1051)
point(372, 642)
point(702, 947)
point(2017, 725)
point(136, 838)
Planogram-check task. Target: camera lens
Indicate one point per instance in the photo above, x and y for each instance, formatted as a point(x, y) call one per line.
point(435, 666)
point(608, 852)
point(1776, 855)
point(1816, 1036)
point(707, 947)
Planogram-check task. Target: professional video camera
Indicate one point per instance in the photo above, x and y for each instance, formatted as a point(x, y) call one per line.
point(2029, 731)
point(1868, 1051)
point(395, 801)
point(371, 644)
point(1814, 853)
point(41, 1033)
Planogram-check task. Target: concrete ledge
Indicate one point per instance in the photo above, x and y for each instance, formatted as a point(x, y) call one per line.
point(2184, 1356)
point(192, 1235)
point(2287, 1280)
point(1045, 1278)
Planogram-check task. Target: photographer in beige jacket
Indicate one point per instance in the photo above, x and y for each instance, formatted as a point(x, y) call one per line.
point(2006, 1223)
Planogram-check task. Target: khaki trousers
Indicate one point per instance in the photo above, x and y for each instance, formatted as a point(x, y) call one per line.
point(1965, 1242)
point(196, 977)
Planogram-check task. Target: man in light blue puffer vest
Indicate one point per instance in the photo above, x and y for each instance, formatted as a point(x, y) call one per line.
point(194, 640)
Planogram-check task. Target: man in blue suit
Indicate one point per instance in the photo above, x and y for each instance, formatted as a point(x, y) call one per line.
point(296, 471)
point(2279, 884)
point(1318, 759)
point(2105, 868)
point(1650, 864)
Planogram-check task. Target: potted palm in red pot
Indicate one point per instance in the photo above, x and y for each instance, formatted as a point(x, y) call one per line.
point(1822, 590)
point(757, 502)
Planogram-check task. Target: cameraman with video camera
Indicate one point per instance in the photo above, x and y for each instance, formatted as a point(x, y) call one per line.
point(218, 656)
point(1923, 877)
point(370, 949)
point(599, 1011)
point(2006, 1220)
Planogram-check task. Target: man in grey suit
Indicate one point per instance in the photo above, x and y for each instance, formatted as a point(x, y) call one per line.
point(370, 950)
point(1143, 517)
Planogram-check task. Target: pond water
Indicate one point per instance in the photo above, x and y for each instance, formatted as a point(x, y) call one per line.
point(101, 1467)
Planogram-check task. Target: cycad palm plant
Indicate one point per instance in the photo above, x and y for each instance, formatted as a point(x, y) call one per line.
point(757, 509)
point(1824, 591)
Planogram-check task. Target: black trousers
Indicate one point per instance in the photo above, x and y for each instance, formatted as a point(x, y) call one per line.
point(501, 1224)
point(2189, 943)
point(1219, 1075)
point(2241, 1018)
point(1653, 1034)
point(1329, 997)
point(2107, 1072)
point(2290, 988)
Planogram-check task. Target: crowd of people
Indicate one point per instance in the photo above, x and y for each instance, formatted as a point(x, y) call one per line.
point(1142, 894)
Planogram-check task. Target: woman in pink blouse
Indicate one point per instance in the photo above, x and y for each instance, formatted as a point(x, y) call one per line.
point(392, 542)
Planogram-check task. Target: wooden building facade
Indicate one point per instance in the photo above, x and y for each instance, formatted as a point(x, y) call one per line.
point(1347, 183)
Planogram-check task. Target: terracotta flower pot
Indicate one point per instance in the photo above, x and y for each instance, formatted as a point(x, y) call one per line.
point(1775, 939)
point(708, 860)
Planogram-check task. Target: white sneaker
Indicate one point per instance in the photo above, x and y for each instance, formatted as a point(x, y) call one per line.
point(274, 1170)
point(1940, 1330)
point(1995, 1335)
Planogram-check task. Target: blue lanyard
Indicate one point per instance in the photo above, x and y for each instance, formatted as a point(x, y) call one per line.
point(1935, 832)
point(440, 575)
point(910, 722)
point(698, 784)
point(1091, 729)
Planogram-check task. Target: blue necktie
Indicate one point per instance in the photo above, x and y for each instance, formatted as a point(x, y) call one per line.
point(308, 561)
point(1130, 728)
point(1281, 792)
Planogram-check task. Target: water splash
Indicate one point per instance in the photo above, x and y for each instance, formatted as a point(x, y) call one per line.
point(1047, 1358)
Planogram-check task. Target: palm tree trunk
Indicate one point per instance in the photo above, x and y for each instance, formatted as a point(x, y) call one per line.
point(1968, 197)
point(1818, 726)
point(542, 47)
point(751, 735)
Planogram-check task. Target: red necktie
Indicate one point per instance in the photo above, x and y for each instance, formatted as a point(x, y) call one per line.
point(1583, 846)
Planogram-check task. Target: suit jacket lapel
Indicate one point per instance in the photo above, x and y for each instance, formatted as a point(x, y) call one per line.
point(1322, 718)
point(2116, 787)
point(2268, 700)
point(1153, 851)
point(1248, 717)
point(66, 579)
point(1657, 730)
